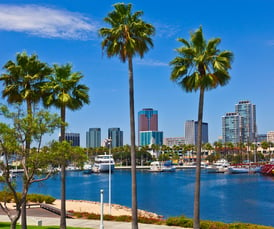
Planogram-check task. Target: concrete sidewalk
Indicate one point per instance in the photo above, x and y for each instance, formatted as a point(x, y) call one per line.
point(86, 223)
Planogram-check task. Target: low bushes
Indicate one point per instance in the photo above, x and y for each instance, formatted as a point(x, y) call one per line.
point(38, 198)
point(122, 218)
point(206, 224)
point(181, 221)
point(35, 198)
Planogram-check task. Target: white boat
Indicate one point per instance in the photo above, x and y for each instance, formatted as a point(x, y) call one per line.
point(103, 163)
point(244, 169)
point(87, 168)
point(72, 168)
point(220, 166)
point(157, 166)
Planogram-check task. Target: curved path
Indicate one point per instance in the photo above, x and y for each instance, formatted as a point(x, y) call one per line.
point(39, 216)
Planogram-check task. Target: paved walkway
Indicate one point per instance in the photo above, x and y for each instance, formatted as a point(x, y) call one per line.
point(84, 223)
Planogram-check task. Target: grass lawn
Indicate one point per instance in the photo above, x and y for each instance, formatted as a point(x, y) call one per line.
point(7, 226)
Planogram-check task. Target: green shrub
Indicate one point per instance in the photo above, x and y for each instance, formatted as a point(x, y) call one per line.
point(93, 216)
point(49, 199)
point(123, 218)
point(206, 224)
point(179, 221)
point(6, 196)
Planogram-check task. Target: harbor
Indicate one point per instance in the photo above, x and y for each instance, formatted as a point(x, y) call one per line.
point(224, 197)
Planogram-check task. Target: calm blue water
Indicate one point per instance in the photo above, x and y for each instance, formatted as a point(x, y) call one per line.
point(224, 197)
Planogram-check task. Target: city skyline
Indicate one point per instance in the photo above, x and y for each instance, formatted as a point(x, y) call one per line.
point(70, 35)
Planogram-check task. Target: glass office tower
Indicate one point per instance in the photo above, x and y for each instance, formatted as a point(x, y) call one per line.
point(247, 111)
point(191, 132)
point(231, 127)
point(73, 138)
point(116, 136)
point(93, 138)
point(148, 128)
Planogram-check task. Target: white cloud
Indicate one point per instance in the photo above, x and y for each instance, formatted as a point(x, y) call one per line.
point(150, 62)
point(270, 43)
point(165, 30)
point(46, 22)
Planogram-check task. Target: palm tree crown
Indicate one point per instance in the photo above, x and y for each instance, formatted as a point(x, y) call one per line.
point(63, 89)
point(24, 79)
point(200, 64)
point(128, 35)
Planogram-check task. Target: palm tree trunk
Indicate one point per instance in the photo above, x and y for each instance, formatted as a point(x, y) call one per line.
point(132, 148)
point(196, 215)
point(63, 174)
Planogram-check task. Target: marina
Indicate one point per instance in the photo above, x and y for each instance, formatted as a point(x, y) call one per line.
point(224, 197)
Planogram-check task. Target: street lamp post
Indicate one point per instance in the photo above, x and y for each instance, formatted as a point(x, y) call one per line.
point(108, 141)
point(102, 209)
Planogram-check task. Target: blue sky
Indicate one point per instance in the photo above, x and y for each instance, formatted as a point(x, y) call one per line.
point(66, 31)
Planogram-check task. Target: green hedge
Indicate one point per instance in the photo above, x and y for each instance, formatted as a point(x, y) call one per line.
point(35, 198)
point(206, 224)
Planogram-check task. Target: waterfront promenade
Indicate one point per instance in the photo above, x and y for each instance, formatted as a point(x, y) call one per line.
point(86, 223)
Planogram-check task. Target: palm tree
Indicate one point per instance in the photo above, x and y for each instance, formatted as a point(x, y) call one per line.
point(64, 91)
point(128, 36)
point(22, 83)
point(200, 66)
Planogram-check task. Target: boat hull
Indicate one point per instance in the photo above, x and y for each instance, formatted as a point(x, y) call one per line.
point(235, 170)
point(268, 169)
point(157, 166)
point(102, 168)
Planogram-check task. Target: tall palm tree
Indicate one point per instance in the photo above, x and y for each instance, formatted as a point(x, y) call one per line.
point(64, 91)
point(200, 66)
point(22, 82)
point(128, 36)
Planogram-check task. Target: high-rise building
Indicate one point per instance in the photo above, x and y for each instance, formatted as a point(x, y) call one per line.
point(151, 138)
point(116, 136)
point(148, 128)
point(148, 120)
point(240, 126)
point(93, 138)
point(231, 127)
point(73, 138)
point(191, 132)
point(176, 141)
point(247, 111)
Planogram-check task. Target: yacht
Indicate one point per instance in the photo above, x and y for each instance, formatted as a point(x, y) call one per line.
point(157, 166)
point(103, 163)
point(220, 166)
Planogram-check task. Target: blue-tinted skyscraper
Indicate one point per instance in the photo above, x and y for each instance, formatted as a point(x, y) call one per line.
point(73, 138)
point(116, 136)
point(231, 127)
point(240, 126)
point(151, 138)
point(191, 132)
point(247, 111)
point(93, 138)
